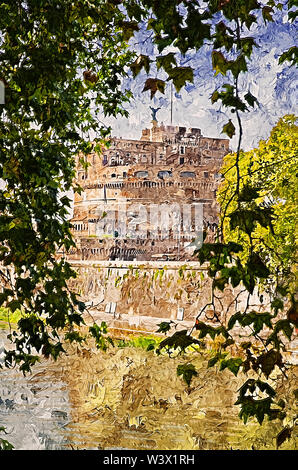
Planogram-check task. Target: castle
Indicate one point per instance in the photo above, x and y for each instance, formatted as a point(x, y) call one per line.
point(169, 167)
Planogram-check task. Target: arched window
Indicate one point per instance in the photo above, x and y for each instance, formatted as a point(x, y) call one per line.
point(164, 174)
point(141, 174)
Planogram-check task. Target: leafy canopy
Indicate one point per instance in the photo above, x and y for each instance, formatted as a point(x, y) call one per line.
point(263, 216)
point(62, 64)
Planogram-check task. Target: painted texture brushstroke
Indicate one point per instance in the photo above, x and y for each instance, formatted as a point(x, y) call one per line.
point(274, 85)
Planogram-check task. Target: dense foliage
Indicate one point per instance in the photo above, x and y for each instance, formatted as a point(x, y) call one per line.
point(262, 218)
point(62, 64)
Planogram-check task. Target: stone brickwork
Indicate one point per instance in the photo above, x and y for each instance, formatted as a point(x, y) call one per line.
point(169, 165)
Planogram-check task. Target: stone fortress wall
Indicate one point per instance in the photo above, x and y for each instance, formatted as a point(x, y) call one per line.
point(134, 284)
point(135, 297)
point(168, 165)
point(139, 295)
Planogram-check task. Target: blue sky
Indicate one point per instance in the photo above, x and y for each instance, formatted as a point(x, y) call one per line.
point(275, 87)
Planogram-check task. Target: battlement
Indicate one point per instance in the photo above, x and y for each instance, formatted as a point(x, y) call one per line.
point(172, 134)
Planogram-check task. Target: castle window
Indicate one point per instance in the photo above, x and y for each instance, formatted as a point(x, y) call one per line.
point(124, 174)
point(187, 174)
point(206, 174)
point(113, 175)
point(181, 160)
point(182, 150)
point(164, 174)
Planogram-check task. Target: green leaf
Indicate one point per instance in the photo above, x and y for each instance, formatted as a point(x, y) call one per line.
point(276, 305)
point(179, 340)
point(215, 359)
point(188, 371)
point(233, 364)
point(267, 13)
point(210, 330)
point(290, 55)
point(215, 96)
point(142, 61)
point(251, 99)
point(237, 66)
point(14, 305)
point(166, 62)
point(247, 219)
point(164, 327)
point(98, 332)
point(219, 63)
point(154, 85)
point(258, 320)
point(180, 75)
point(253, 407)
point(5, 445)
point(281, 325)
point(74, 336)
point(267, 361)
point(257, 266)
point(129, 28)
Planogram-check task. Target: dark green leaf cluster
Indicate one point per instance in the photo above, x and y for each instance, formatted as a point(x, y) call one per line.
point(179, 342)
point(164, 327)
point(254, 406)
point(58, 61)
point(62, 64)
point(188, 26)
point(291, 56)
point(188, 371)
point(4, 444)
point(233, 364)
point(206, 329)
point(256, 319)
